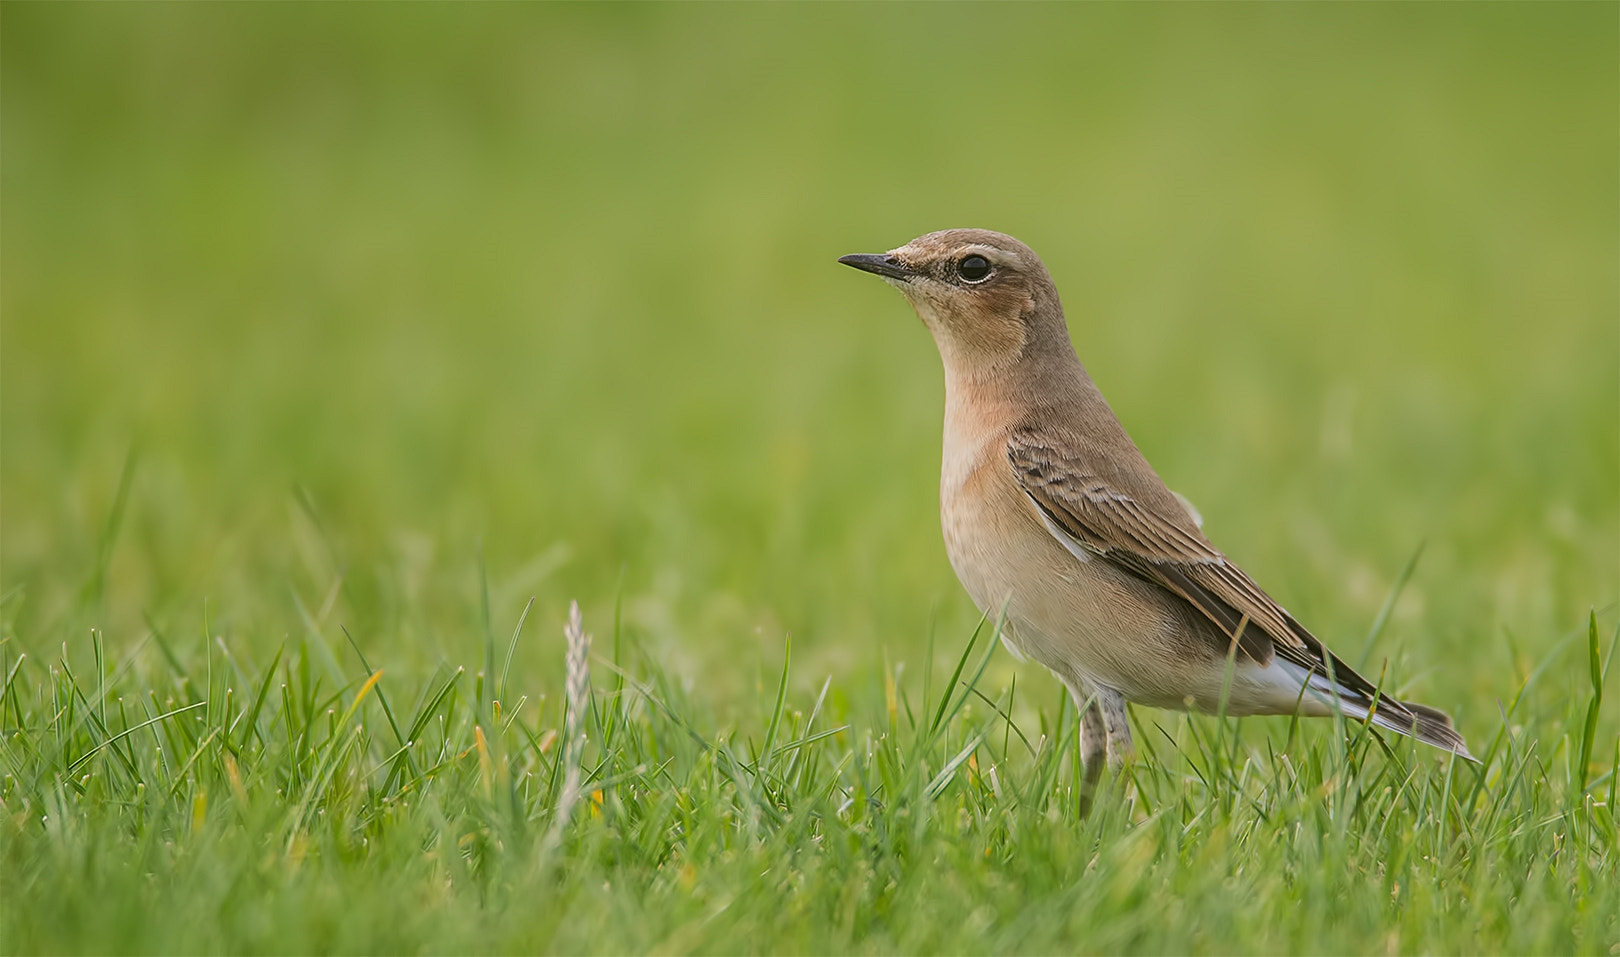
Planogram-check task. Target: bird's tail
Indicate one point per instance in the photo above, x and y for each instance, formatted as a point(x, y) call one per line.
point(1357, 699)
point(1429, 725)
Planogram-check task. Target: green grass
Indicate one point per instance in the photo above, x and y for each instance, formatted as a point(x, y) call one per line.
point(332, 336)
point(276, 806)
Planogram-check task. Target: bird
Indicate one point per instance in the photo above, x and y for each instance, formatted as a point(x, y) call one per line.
point(1057, 526)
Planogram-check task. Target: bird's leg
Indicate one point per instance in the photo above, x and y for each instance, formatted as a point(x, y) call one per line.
point(1114, 719)
point(1093, 742)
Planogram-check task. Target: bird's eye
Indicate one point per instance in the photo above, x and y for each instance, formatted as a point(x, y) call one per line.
point(973, 268)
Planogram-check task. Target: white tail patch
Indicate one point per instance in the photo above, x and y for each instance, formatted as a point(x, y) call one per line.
point(1283, 687)
point(1287, 687)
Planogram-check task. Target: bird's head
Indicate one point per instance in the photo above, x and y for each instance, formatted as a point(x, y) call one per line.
point(985, 296)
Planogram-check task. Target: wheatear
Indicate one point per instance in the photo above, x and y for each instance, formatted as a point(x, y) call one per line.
point(1053, 518)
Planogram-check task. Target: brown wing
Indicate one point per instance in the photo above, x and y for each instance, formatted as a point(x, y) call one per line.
point(1164, 548)
point(1161, 544)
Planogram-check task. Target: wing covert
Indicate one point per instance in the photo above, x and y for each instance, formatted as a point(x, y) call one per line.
point(1166, 549)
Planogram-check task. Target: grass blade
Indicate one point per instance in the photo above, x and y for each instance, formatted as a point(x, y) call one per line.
point(1589, 731)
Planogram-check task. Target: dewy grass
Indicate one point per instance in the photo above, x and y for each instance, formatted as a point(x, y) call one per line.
point(172, 813)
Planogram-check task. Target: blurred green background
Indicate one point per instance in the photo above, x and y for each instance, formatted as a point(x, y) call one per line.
point(376, 289)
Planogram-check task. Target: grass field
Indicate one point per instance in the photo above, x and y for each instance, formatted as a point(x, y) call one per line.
point(333, 336)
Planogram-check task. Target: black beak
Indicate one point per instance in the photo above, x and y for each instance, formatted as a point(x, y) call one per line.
point(886, 266)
